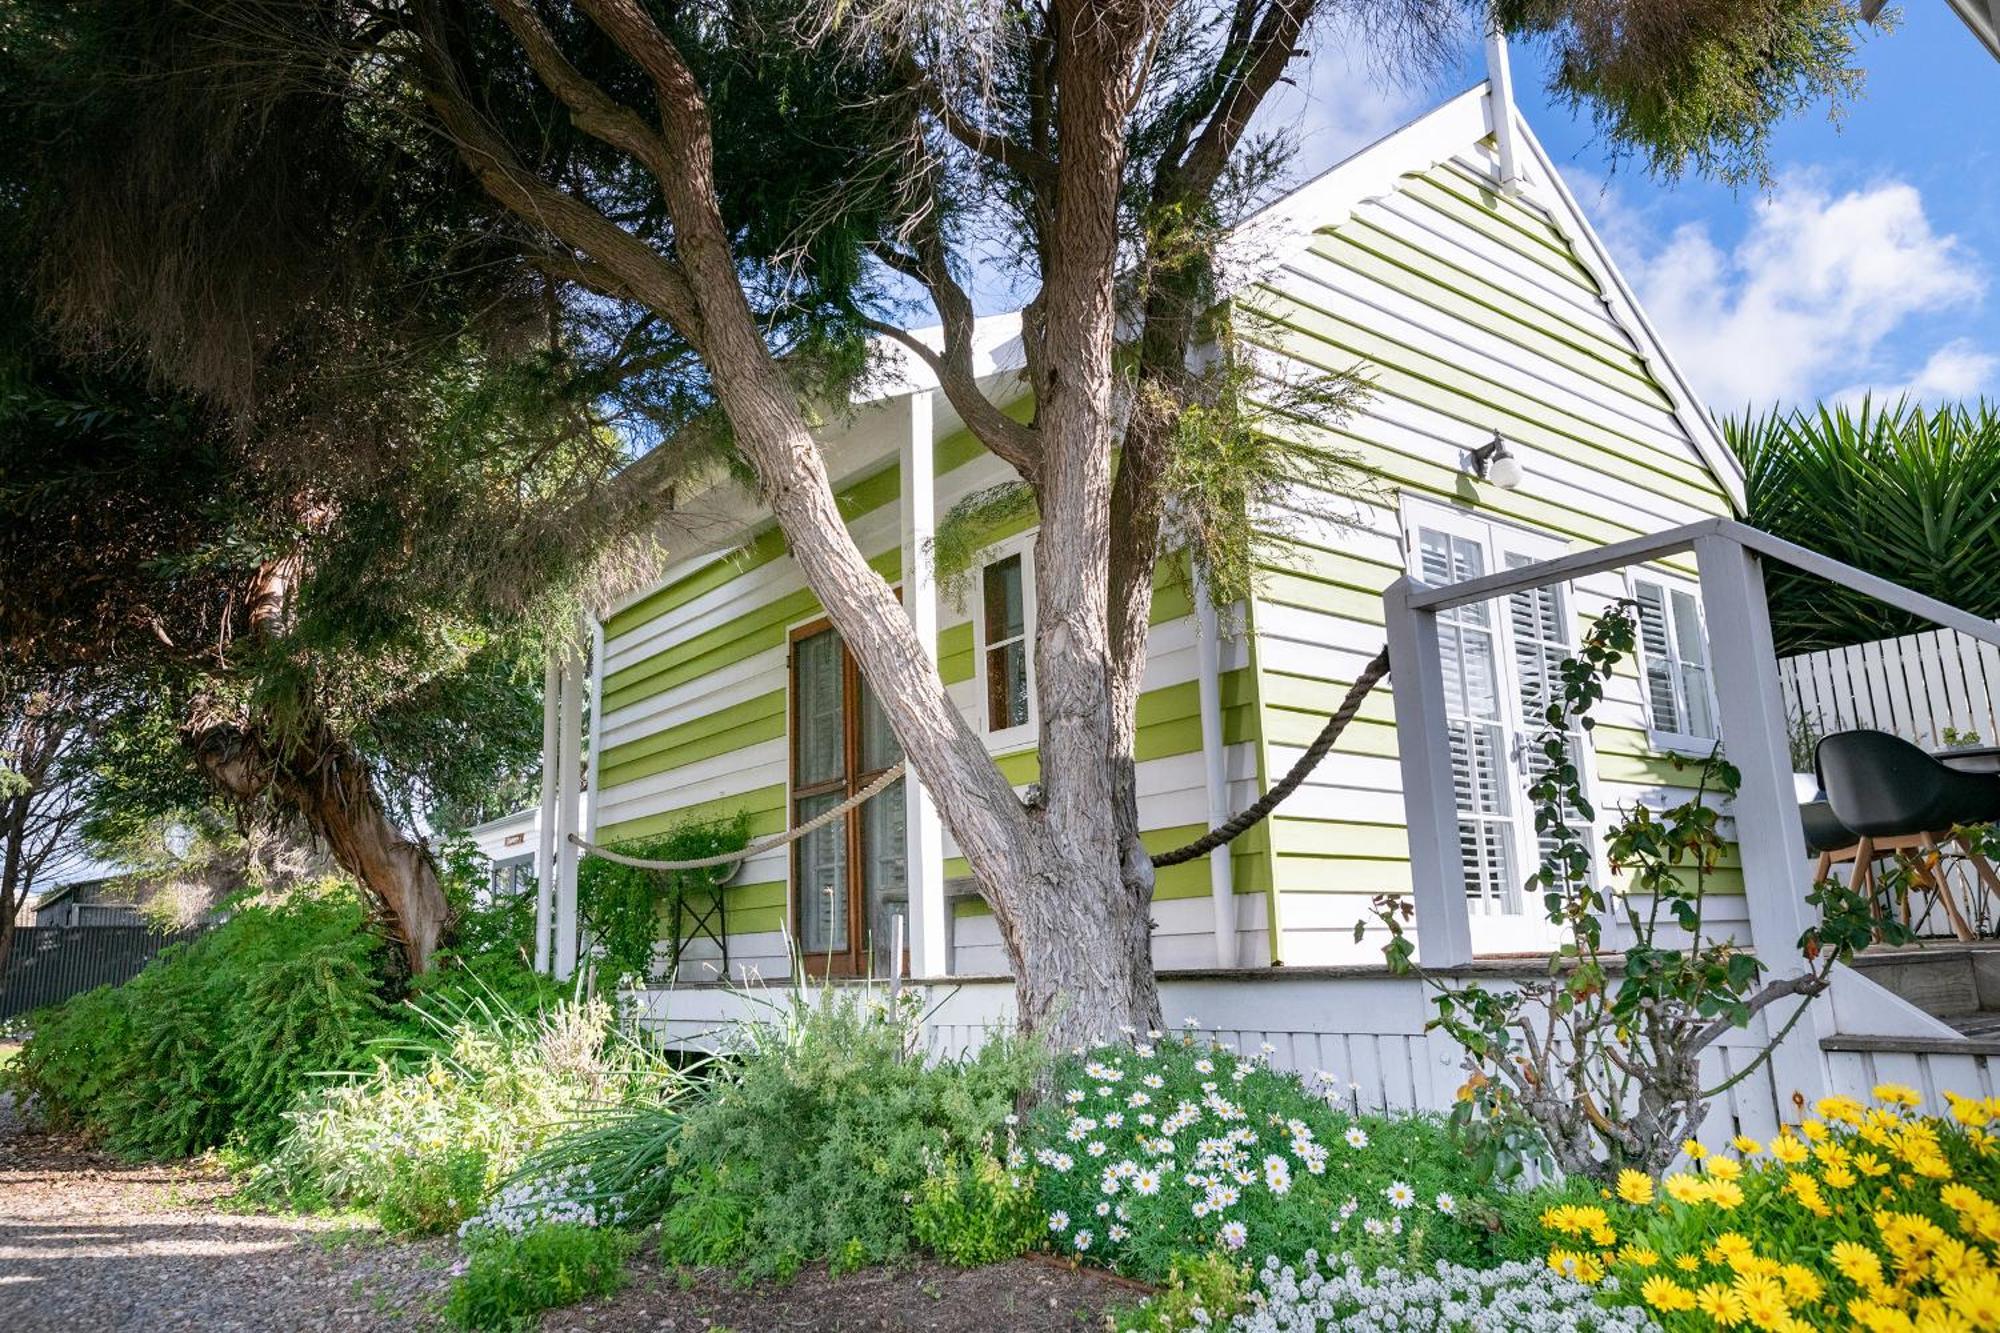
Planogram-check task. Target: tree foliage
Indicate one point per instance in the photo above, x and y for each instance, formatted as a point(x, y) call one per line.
point(1903, 491)
point(1697, 85)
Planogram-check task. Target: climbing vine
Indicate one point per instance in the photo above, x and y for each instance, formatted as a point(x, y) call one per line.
point(622, 907)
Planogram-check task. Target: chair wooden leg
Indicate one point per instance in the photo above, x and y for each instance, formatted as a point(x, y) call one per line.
point(1943, 890)
point(1824, 870)
point(1862, 878)
point(1980, 866)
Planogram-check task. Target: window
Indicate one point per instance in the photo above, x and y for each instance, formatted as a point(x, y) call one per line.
point(1673, 661)
point(1500, 659)
point(841, 743)
point(1003, 619)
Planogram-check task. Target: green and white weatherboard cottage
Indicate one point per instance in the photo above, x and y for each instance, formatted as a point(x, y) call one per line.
point(1450, 266)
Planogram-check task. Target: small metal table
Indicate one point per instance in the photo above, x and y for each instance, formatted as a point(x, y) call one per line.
point(1971, 758)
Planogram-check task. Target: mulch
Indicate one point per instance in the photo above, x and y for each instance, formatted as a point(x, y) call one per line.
point(90, 1243)
point(1024, 1296)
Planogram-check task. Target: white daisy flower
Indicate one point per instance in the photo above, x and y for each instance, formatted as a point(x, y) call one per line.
point(1073, 1096)
point(1096, 1148)
point(1447, 1205)
point(1154, 1081)
point(1059, 1221)
point(1082, 1240)
point(1399, 1195)
point(1145, 1181)
point(1233, 1235)
point(1116, 1234)
point(1356, 1137)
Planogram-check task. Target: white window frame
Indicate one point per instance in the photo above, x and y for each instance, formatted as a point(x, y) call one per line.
point(1497, 536)
point(1020, 737)
point(1673, 740)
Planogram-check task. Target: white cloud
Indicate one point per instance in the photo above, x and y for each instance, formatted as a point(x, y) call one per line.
point(1343, 100)
point(1812, 297)
point(1956, 370)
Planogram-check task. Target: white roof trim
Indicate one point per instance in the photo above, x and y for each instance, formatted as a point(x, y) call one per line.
point(1272, 236)
point(1688, 408)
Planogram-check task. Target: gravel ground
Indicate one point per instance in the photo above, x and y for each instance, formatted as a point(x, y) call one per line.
point(88, 1243)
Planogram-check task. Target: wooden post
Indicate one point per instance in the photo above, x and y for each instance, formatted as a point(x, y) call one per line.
point(1756, 736)
point(1430, 803)
point(923, 832)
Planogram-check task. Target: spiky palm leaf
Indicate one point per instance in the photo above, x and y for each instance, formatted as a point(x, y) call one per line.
point(1909, 494)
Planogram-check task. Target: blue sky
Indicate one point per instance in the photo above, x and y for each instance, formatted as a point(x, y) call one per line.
point(1866, 267)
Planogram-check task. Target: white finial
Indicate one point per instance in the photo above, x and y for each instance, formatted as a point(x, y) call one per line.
point(1500, 103)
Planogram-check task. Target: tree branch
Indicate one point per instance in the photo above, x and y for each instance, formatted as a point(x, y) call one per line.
point(1016, 444)
point(591, 109)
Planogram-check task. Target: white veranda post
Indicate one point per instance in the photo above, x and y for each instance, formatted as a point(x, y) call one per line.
point(923, 832)
point(1430, 799)
point(569, 765)
point(545, 825)
point(1757, 737)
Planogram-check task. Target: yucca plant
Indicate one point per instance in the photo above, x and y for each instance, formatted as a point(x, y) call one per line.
point(1901, 491)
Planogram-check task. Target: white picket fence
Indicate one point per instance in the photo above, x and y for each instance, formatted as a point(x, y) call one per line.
point(1917, 687)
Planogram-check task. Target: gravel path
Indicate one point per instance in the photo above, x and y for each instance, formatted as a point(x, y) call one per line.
point(88, 1244)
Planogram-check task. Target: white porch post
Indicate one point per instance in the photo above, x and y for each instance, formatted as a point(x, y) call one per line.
point(569, 746)
point(1770, 837)
point(923, 833)
point(592, 768)
point(1430, 804)
point(1215, 758)
point(545, 848)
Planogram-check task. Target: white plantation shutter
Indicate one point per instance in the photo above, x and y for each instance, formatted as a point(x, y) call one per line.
point(1476, 724)
point(1673, 652)
point(1539, 621)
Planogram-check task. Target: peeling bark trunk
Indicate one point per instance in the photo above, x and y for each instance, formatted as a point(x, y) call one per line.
point(319, 777)
point(314, 773)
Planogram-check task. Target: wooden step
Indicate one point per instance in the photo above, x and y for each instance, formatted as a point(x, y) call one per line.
point(1942, 981)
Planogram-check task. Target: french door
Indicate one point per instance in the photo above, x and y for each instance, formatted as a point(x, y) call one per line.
point(849, 879)
point(1501, 661)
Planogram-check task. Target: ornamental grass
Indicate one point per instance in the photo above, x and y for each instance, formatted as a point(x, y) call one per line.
point(1868, 1217)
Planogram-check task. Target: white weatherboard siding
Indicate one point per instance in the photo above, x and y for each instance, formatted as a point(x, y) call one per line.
point(1469, 312)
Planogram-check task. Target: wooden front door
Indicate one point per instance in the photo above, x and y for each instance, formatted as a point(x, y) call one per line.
point(849, 879)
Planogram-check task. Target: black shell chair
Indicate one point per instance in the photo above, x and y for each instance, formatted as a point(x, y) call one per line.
point(1895, 797)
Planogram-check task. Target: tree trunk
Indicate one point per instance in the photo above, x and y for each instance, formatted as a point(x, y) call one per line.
point(12, 888)
point(319, 777)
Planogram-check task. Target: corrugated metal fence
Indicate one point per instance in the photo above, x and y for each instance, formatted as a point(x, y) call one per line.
point(1917, 687)
point(49, 964)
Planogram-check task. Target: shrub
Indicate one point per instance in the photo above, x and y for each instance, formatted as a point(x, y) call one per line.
point(216, 1038)
point(1863, 1217)
point(430, 1131)
point(1200, 1290)
point(1447, 1299)
point(1154, 1152)
point(975, 1212)
point(509, 1278)
point(812, 1141)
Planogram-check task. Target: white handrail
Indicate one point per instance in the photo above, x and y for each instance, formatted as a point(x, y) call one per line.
point(1674, 541)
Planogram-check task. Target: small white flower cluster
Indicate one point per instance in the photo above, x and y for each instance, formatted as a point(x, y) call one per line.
point(1512, 1298)
point(567, 1195)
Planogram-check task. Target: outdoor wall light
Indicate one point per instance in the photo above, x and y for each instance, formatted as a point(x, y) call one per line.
point(1495, 462)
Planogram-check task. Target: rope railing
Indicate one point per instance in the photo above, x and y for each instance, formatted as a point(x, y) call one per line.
point(1221, 835)
point(1248, 818)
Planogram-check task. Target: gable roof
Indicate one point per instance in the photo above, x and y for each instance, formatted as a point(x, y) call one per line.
point(1281, 229)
